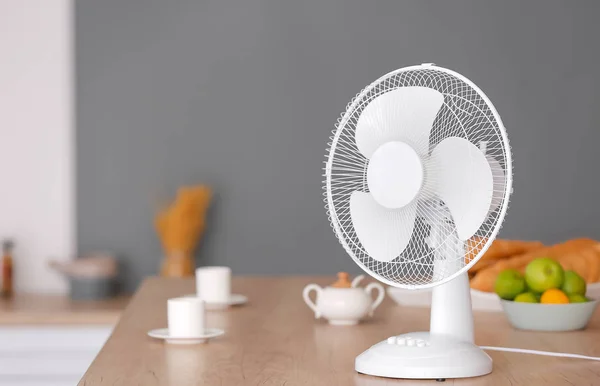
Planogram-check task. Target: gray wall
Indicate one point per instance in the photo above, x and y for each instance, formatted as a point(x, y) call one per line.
point(242, 94)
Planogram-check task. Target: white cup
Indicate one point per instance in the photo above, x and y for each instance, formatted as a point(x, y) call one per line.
point(185, 317)
point(213, 284)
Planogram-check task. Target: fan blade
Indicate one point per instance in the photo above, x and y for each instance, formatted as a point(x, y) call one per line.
point(384, 233)
point(499, 183)
point(404, 114)
point(459, 173)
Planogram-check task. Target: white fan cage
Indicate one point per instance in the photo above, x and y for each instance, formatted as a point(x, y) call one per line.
point(466, 113)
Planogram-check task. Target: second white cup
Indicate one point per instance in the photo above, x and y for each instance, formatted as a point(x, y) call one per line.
point(213, 284)
point(185, 317)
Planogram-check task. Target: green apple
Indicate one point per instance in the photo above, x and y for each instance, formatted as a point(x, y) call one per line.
point(509, 284)
point(543, 274)
point(577, 298)
point(573, 284)
point(527, 297)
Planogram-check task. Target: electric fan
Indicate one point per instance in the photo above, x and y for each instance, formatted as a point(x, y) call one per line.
point(418, 176)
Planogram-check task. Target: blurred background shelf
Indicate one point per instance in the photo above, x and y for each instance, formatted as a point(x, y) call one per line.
point(39, 309)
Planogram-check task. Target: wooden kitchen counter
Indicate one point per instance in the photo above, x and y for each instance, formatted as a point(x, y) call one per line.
point(274, 340)
point(59, 309)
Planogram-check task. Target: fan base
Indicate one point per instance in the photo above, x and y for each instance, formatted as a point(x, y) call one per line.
point(421, 355)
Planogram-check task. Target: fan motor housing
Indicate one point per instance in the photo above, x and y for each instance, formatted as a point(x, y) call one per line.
point(395, 174)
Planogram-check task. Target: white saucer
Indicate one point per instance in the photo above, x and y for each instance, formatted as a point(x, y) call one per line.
point(234, 300)
point(163, 333)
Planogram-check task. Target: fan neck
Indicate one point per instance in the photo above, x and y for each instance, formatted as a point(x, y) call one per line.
point(451, 313)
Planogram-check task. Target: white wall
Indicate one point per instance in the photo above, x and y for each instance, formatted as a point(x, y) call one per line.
point(37, 138)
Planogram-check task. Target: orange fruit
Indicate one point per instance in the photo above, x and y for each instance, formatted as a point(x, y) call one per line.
point(554, 296)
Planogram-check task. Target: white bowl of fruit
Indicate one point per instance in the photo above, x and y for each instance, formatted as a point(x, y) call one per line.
point(545, 298)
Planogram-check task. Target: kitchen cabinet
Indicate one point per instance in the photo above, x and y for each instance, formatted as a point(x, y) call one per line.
point(49, 340)
point(48, 355)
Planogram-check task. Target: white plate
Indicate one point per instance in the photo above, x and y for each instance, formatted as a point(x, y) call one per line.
point(234, 300)
point(163, 333)
point(481, 301)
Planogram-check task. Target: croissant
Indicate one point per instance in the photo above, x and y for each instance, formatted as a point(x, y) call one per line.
point(580, 255)
point(500, 249)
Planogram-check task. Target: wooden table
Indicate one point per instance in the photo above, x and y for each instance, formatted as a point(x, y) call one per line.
point(274, 340)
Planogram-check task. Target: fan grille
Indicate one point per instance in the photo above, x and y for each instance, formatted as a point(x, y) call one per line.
point(466, 113)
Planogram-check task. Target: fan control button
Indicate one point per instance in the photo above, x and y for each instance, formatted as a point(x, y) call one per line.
point(410, 342)
point(401, 342)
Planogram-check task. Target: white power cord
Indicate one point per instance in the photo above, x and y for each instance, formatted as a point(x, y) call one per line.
point(537, 352)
